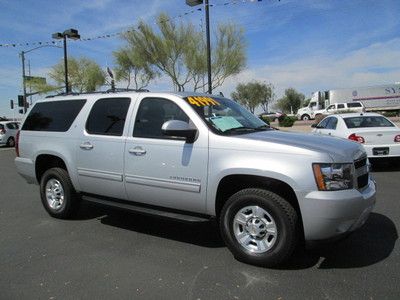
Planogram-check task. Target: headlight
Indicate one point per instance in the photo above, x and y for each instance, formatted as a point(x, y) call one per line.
point(333, 177)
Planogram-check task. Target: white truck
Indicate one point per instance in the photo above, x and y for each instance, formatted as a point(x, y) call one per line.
point(374, 98)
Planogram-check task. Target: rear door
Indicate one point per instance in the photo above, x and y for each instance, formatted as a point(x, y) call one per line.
point(100, 150)
point(164, 170)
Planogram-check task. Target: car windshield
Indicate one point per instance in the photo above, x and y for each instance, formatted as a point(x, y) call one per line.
point(367, 121)
point(224, 116)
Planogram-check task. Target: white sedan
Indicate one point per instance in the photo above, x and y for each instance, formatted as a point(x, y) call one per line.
point(379, 136)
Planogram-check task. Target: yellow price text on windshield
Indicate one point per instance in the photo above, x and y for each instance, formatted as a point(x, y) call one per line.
point(202, 101)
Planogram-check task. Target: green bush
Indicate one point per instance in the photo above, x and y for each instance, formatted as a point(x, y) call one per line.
point(287, 121)
point(393, 113)
point(266, 119)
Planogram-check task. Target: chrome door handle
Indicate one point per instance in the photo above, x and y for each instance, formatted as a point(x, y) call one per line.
point(137, 151)
point(86, 146)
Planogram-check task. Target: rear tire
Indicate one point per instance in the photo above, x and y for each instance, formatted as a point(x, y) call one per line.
point(259, 227)
point(58, 195)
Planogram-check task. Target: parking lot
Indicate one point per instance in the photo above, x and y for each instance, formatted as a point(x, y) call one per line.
point(112, 254)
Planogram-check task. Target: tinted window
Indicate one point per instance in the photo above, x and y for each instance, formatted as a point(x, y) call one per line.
point(11, 126)
point(323, 123)
point(332, 122)
point(53, 115)
point(340, 106)
point(355, 104)
point(367, 121)
point(152, 114)
point(107, 116)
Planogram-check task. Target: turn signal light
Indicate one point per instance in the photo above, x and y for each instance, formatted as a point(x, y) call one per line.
point(356, 138)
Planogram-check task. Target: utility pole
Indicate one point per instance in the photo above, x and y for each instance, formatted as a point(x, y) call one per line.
point(66, 64)
point(208, 47)
point(23, 79)
point(206, 8)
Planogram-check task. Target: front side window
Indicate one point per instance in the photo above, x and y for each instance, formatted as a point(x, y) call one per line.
point(332, 122)
point(224, 116)
point(107, 116)
point(323, 123)
point(53, 115)
point(152, 114)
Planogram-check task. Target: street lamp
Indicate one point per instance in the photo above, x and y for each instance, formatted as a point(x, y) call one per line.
point(22, 54)
point(194, 3)
point(72, 34)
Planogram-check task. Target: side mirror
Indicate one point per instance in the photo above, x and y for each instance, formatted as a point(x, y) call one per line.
point(181, 129)
point(315, 125)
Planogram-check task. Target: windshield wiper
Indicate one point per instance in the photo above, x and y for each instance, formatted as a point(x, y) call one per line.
point(241, 129)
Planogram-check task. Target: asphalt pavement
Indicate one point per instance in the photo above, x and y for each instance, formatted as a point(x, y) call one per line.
point(109, 254)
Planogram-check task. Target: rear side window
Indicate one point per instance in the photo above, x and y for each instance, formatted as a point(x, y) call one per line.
point(340, 106)
point(355, 104)
point(107, 116)
point(53, 115)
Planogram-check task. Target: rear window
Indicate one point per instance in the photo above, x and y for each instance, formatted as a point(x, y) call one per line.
point(354, 104)
point(53, 115)
point(365, 121)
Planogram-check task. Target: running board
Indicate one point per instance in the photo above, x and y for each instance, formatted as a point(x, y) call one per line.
point(147, 210)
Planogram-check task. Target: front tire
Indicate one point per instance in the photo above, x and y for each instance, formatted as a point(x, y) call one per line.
point(58, 195)
point(259, 227)
point(305, 117)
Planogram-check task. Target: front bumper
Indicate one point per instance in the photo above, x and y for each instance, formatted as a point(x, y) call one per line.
point(330, 214)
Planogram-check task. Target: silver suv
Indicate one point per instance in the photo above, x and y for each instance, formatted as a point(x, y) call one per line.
point(194, 157)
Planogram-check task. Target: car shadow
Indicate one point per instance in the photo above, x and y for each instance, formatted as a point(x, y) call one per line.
point(366, 246)
point(385, 165)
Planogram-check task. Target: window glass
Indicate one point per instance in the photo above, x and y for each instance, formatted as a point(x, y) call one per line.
point(340, 106)
point(53, 115)
point(354, 104)
point(332, 122)
point(367, 121)
point(323, 123)
point(107, 116)
point(331, 107)
point(10, 126)
point(152, 114)
point(224, 116)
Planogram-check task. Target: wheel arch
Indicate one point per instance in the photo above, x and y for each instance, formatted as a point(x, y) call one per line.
point(231, 184)
point(43, 162)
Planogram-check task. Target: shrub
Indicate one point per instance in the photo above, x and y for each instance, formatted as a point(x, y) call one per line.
point(318, 118)
point(286, 121)
point(393, 113)
point(266, 119)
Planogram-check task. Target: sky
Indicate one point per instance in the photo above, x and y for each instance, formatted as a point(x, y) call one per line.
point(309, 45)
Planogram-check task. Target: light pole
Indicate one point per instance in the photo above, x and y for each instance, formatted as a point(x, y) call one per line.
point(194, 3)
point(22, 54)
point(72, 34)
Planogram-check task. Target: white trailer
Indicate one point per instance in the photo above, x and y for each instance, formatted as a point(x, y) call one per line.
point(375, 98)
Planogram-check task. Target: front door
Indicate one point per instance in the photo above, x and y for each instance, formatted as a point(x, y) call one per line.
point(163, 170)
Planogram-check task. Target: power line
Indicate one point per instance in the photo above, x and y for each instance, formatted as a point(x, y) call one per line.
point(131, 28)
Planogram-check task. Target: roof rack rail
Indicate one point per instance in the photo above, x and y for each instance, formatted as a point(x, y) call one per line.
point(117, 90)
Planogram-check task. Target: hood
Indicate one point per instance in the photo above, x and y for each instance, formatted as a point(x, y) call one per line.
point(341, 150)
